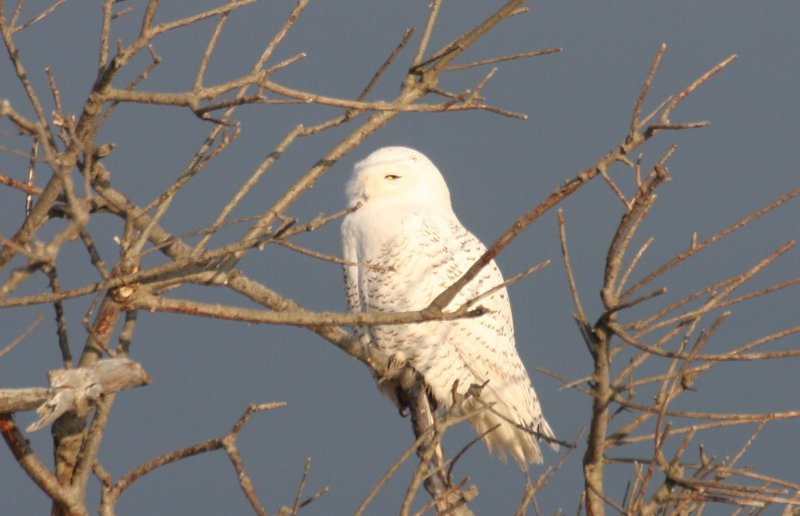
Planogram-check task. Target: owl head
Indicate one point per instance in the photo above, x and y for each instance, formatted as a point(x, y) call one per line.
point(399, 175)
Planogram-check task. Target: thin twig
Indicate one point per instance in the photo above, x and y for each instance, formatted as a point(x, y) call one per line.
point(500, 59)
point(434, 6)
point(510, 281)
point(19, 339)
point(39, 17)
point(301, 487)
point(710, 240)
point(407, 34)
point(664, 119)
point(110, 496)
point(389, 474)
point(635, 122)
point(562, 232)
point(19, 185)
point(61, 321)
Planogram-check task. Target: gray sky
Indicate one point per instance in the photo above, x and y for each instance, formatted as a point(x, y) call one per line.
point(579, 105)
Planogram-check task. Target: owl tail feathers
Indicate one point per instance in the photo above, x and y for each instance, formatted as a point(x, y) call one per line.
point(504, 436)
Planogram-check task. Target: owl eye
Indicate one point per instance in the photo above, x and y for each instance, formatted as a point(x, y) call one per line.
point(391, 177)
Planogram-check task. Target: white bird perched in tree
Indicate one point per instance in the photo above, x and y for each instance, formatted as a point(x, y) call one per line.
point(403, 247)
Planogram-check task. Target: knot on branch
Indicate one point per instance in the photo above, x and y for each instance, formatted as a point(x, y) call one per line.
point(78, 389)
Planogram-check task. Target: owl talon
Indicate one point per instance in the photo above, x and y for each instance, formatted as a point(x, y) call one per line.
point(402, 402)
point(397, 361)
point(475, 389)
point(458, 398)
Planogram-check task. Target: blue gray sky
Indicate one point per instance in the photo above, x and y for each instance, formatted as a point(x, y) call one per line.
point(579, 103)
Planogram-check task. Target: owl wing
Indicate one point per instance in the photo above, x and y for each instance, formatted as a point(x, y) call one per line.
point(406, 258)
point(486, 347)
point(350, 257)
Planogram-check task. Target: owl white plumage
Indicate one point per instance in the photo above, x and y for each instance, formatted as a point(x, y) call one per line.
point(410, 246)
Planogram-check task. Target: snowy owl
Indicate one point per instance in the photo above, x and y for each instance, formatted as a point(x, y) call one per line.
point(402, 247)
